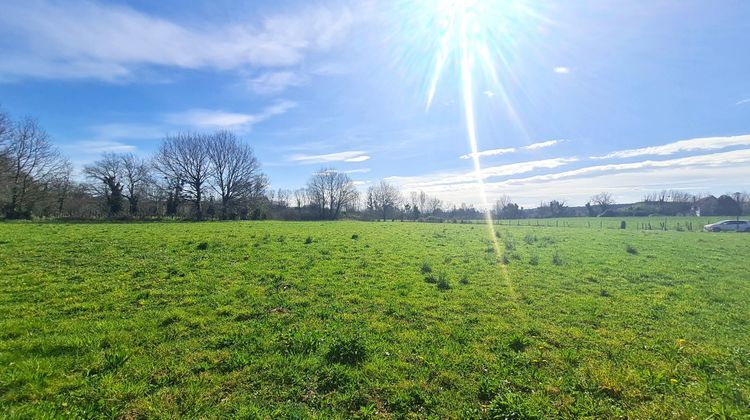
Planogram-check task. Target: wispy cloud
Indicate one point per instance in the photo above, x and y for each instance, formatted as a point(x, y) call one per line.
point(275, 82)
point(743, 101)
point(452, 178)
point(561, 70)
point(348, 156)
point(219, 119)
point(83, 39)
point(98, 147)
point(490, 152)
point(542, 145)
point(629, 181)
point(505, 151)
point(705, 143)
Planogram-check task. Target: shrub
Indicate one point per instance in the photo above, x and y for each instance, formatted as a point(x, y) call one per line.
point(202, 246)
point(426, 268)
point(308, 240)
point(348, 351)
point(556, 259)
point(430, 279)
point(630, 249)
point(355, 236)
point(442, 282)
point(518, 342)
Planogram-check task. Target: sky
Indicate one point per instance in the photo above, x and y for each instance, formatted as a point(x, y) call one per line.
point(569, 98)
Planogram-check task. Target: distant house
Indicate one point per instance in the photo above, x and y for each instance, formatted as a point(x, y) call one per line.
point(707, 206)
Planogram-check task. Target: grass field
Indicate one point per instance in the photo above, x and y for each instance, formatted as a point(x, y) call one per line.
point(282, 319)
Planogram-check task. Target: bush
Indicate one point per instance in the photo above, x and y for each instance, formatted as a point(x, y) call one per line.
point(630, 249)
point(348, 351)
point(355, 236)
point(426, 268)
point(442, 282)
point(202, 246)
point(556, 259)
point(308, 240)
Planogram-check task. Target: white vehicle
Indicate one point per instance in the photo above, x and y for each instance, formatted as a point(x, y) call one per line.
point(729, 225)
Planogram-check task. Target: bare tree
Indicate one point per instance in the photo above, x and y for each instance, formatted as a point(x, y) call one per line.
point(382, 197)
point(235, 170)
point(604, 200)
point(500, 204)
point(432, 204)
point(136, 176)
point(282, 197)
point(6, 127)
point(300, 198)
point(107, 173)
point(331, 191)
point(184, 158)
point(31, 163)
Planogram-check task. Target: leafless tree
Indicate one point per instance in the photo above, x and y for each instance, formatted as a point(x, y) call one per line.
point(433, 204)
point(235, 171)
point(136, 177)
point(6, 127)
point(382, 197)
point(31, 163)
point(500, 204)
point(604, 200)
point(282, 197)
point(184, 158)
point(331, 191)
point(106, 174)
point(300, 198)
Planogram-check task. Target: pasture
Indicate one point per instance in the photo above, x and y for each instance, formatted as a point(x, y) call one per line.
point(342, 319)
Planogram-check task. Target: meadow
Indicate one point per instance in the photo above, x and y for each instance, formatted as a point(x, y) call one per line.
point(354, 319)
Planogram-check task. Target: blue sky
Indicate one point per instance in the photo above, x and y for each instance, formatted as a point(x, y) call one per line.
point(627, 97)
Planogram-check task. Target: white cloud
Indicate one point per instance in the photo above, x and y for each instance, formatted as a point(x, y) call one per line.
point(505, 151)
point(99, 146)
point(491, 152)
point(561, 70)
point(357, 171)
point(705, 143)
point(275, 82)
point(542, 145)
point(453, 178)
point(83, 39)
point(717, 172)
point(743, 102)
point(218, 119)
point(349, 156)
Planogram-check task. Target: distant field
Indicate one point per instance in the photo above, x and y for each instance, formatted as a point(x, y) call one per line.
point(283, 319)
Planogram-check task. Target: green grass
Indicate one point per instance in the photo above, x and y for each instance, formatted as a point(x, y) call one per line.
point(275, 319)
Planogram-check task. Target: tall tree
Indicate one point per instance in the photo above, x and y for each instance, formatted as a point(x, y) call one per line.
point(604, 200)
point(235, 171)
point(382, 197)
point(107, 173)
point(184, 159)
point(331, 191)
point(31, 163)
point(136, 176)
point(5, 129)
